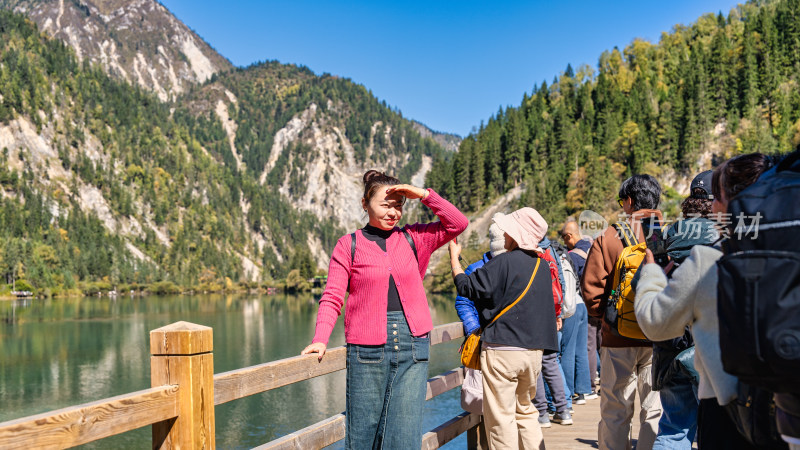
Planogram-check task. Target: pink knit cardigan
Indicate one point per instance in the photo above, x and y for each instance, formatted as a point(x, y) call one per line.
point(365, 311)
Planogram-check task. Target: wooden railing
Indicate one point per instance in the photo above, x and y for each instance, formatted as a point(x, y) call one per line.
point(180, 405)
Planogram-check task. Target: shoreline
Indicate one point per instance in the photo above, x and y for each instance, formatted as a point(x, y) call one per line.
point(254, 291)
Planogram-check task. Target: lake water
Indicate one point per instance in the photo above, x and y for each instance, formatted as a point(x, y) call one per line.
point(64, 352)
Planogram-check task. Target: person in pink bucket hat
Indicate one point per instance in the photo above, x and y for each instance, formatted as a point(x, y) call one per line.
point(524, 226)
point(514, 297)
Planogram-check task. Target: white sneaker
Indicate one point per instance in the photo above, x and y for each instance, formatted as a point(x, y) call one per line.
point(544, 421)
point(563, 418)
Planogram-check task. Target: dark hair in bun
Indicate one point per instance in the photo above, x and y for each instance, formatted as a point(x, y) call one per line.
point(374, 179)
point(736, 174)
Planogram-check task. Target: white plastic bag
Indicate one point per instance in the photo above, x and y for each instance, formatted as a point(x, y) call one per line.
point(472, 391)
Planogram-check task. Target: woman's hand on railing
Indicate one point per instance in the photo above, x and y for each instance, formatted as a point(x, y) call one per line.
point(316, 347)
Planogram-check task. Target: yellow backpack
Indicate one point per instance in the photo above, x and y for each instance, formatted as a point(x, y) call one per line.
point(619, 312)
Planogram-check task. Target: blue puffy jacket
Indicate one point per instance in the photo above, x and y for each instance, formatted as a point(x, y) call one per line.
point(465, 307)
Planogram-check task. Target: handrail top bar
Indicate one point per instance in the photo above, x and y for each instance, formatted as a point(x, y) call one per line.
point(76, 425)
point(240, 383)
point(168, 389)
point(440, 334)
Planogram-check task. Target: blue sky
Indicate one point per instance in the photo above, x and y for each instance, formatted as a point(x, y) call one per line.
point(448, 64)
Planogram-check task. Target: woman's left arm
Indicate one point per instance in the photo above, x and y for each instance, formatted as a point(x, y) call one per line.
point(430, 236)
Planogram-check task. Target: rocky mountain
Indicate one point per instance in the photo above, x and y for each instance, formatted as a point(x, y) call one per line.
point(139, 41)
point(449, 141)
point(311, 137)
point(245, 176)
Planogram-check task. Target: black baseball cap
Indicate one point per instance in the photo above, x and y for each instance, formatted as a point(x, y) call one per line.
point(701, 186)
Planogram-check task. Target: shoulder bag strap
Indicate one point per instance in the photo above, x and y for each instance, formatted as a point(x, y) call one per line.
point(622, 235)
point(536, 269)
point(411, 243)
point(580, 253)
point(352, 256)
point(625, 234)
point(352, 247)
point(631, 234)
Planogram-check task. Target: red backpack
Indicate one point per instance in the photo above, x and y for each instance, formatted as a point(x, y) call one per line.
point(558, 291)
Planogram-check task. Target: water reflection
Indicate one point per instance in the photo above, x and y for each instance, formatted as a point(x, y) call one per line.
point(58, 353)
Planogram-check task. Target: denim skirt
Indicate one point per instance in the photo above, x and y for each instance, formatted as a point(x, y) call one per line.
point(386, 387)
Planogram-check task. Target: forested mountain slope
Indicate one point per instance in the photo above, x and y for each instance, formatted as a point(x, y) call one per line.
point(309, 137)
point(282, 129)
point(724, 85)
point(104, 181)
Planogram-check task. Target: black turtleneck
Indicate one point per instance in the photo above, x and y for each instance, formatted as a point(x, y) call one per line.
point(379, 236)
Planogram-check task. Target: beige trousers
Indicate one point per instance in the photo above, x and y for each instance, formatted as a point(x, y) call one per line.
point(625, 371)
point(509, 384)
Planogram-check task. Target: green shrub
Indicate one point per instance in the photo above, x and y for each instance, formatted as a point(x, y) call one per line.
point(164, 288)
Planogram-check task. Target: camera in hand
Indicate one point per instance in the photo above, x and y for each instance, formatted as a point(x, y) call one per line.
point(654, 236)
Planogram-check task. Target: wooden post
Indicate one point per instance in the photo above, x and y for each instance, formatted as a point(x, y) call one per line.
point(477, 438)
point(182, 355)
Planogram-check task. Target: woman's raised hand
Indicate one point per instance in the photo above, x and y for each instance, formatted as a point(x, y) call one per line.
point(316, 347)
point(408, 191)
point(455, 249)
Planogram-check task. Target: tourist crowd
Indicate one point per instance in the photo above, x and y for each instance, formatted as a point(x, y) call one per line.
point(697, 319)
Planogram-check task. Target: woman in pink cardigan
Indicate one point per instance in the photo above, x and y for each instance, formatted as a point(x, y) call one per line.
point(386, 320)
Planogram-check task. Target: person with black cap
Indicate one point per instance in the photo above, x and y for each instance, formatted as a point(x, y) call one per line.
point(666, 303)
point(673, 372)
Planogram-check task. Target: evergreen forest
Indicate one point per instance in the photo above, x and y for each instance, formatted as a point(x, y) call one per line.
point(724, 85)
point(165, 172)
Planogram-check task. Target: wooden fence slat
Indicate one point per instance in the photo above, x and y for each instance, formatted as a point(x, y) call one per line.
point(444, 382)
point(80, 424)
point(263, 377)
point(330, 430)
point(252, 380)
point(319, 435)
point(447, 332)
point(449, 430)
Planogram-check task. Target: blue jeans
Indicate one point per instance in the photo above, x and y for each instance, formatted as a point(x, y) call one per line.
point(574, 351)
point(386, 387)
point(678, 425)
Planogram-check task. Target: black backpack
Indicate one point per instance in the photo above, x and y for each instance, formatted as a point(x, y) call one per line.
point(758, 295)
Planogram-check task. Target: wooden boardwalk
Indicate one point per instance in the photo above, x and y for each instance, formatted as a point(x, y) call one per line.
point(583, 433)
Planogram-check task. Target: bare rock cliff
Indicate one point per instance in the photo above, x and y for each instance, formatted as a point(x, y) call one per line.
point(139, 41)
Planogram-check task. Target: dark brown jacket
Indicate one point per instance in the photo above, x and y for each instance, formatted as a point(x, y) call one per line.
point(598, 275)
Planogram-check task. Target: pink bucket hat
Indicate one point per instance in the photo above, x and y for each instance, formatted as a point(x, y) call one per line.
point(526, 226)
